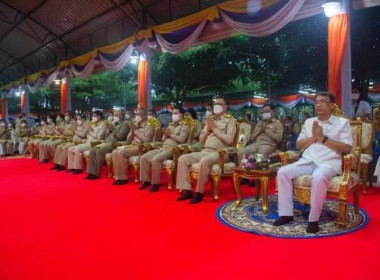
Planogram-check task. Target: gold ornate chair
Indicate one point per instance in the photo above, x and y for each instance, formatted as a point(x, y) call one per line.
point(366, 159)
point(340, 186)
point(225, 168)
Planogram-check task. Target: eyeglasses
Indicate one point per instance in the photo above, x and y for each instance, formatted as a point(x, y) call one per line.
point(220, 104)
point(321, 102)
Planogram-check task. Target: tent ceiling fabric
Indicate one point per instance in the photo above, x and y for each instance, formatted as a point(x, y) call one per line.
point(39, 34)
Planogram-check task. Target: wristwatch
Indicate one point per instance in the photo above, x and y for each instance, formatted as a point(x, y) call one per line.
point(325, 138)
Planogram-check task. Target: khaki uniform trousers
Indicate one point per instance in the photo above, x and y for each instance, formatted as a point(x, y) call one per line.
point(206, 159)
point(75, 156)
point(97, 157)
point(120, 159)
point(61, 154)
point(7, 147)
point(33, 146)
point(255, 148)
point(52, 148)
point(156, 158)
point(44, 149)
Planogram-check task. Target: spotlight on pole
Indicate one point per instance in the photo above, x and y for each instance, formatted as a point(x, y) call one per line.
point(332, 8)
point(134, 56)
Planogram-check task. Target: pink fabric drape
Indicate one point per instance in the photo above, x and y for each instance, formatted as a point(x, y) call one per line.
point(337, 38)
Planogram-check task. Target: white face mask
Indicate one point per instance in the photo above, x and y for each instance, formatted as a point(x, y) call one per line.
point(176, 117)
point(150, 117)
point(208, 113)
point(127, 116)
point(67, 118)
point(58, 119)
point(2, 124)
point(43, 123)
point(95, 119)
point(138, 119)
point(218, 109)
point(79, 122)
point(23, 124)
point(116, 119)
point(267, 116)
point(49, 120)
point(355, 96)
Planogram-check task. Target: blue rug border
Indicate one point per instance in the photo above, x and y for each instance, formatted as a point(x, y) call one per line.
point(305, 236)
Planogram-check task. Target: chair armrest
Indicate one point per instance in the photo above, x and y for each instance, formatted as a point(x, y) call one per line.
point(289, 157)
point(156, 145)
point(95, 143)
point(348, 161)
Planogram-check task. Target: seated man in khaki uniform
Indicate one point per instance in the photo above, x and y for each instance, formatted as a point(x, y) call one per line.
point(219, 132)
point(267, 135)
point(176, 133)
point(80, 133)
point(118, 132)
point(140, 132)
point(96, 131)
point(43, 146)
point(22, 136)
point(5, 135)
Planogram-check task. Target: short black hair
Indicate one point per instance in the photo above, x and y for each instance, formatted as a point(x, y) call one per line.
point(192, 112)
point(98, 113)
point(83, 116)
point(270, 106)
point(180, 109)
point(23, 121)
point(328, 94)
point(222, 97)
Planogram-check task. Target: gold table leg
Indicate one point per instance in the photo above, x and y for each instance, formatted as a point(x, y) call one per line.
point(265, 181)
point(237, 187)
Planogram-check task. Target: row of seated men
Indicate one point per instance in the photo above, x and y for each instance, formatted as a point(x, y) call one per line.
point(218, 132)
point(323, 138)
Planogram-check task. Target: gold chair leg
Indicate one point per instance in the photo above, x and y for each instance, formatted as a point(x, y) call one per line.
point(364, 169)
point(170, 178)
point(215, 186)
point(342, 213)
point(109, 168)
point(136, 168)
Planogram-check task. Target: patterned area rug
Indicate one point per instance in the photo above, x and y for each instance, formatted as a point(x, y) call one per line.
point(249, 217)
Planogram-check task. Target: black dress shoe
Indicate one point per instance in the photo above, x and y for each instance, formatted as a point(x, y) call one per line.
point(70, 170)
point(120, 182)
point(55, 167)
point(283, 220)
point(60, 168)
point(79, 171)
point(186, 195)
point(312, 227)
point(43, 160)
point(197, 198)
point(144, 185)
point(154, 188)
point(92, 177)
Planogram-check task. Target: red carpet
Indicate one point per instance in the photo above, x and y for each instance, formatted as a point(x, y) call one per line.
point(55, 225)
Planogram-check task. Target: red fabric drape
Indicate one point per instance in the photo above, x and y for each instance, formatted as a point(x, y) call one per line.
point(337, 38)
point(22, 101)
point(3, 107)
point(288, 98)
point(63, 97)
point(141, 80)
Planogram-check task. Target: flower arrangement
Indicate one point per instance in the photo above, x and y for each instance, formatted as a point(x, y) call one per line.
point(256, 160)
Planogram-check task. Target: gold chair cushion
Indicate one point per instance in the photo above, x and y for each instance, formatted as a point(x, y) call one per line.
point(304, 181)
point(365, 158)
point(366, 134)
point(215, 169)
point(169, 163)
point(134, 160)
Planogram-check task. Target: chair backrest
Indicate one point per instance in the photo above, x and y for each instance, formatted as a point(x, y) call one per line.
point(368, 134)
point(243, 134)
point(356, 130)
point(157, 129)
point(189, 121)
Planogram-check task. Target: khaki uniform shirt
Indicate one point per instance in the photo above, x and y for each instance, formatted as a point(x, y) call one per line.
point(179, 133)
point(223, 134)
point(97, 133)
point(4, 133)
point(22, 131)
point(51, 129)
point(67, 127)
point(143, 133)
point(118, 132)
point(80, 132)
point(272, 135)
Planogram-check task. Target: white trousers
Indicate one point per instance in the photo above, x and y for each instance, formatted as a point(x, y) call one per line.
point(319, 184)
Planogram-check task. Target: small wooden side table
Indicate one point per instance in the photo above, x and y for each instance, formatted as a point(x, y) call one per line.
point(263, 175)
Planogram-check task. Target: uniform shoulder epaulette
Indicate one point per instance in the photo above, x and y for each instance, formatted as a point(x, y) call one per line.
point(229, 116)
point(213, 117)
